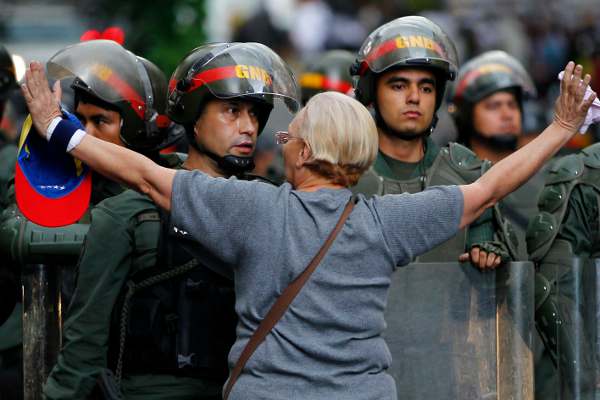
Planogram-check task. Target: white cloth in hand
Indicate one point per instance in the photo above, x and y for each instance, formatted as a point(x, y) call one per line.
point(593, 114)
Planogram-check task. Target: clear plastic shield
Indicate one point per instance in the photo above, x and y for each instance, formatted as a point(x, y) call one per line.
point(456, 332)
point(247, 69)
point(568, 322)
point(405, 40)
point(103, 65)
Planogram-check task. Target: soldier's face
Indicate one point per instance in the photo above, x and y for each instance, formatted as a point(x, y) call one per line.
point(228, 127)
point(406, 99)
point(497, 114)
point(100, 122)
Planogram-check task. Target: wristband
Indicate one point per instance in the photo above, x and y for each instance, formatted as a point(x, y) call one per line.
point(66, 135)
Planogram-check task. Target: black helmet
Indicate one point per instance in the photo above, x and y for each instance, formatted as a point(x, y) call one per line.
point(488, 73)
point(230, 70)
point(249, 71)
point(8, 79)
point(330, 71)
point(414, 42)
point(136, 87)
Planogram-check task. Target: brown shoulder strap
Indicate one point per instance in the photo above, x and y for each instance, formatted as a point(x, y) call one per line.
point(283, 302)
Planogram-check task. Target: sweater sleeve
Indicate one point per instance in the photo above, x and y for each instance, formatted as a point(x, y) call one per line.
point(218, 215)
point(415, 223)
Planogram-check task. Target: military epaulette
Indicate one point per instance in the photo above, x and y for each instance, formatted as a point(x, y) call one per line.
point(463, 158)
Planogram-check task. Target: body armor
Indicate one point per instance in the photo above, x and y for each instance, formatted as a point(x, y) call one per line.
point(560, 316)
point(177, 318)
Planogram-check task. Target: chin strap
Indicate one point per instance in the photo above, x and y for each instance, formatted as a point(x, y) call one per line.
point(229, 164)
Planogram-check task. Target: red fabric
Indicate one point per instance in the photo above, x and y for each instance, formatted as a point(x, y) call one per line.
point(51, 212)
point(113, 33)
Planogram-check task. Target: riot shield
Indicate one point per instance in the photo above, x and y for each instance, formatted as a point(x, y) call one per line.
point(567, 321)
point(456, 332)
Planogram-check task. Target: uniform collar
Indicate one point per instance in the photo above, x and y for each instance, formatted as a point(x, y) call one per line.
point(383, 169)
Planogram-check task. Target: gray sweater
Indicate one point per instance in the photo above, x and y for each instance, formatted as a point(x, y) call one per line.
point(328, 345)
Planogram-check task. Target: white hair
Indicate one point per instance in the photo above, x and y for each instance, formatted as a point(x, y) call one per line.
point(341, 134)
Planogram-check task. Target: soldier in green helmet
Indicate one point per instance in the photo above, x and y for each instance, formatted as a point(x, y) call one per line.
point(561, 239)
point(486, 103)
point(145, 309)
point(329, 71)
point(401, 72)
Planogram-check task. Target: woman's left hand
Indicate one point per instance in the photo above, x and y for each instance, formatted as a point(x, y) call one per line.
point(43, 104)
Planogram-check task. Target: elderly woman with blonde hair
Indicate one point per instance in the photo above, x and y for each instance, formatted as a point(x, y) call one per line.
point(328, 342)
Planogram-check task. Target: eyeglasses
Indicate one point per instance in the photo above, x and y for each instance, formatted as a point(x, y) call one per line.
point(282, 137)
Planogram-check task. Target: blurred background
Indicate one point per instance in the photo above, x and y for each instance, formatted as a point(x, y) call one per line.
point(542, 34)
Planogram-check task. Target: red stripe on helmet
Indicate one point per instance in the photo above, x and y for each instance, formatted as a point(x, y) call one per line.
point(465, 81)
point(163, 121)
point(205, 77)
point(128, 93)
point(211, 75)
point(381, 50)
point(172, 84)
point(338, 86)
point(391, 45)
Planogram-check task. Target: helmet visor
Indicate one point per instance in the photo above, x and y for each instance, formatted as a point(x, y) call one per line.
point(246, 69)
point(409, 41)
point(490, 72)
point(108, 70)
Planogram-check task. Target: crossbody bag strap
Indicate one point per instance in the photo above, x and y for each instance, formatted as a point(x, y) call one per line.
point(283, 302)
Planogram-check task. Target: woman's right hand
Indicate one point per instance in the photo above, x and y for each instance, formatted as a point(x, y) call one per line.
point(571, 108)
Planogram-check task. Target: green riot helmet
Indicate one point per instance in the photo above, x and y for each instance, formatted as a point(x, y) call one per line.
point(411, 42)
point(484, 75)
point(105, 70)
point(244, 71)
point(329, 71)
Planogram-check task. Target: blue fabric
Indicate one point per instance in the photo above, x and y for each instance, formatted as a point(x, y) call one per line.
point(48, 168)
point(63, 133)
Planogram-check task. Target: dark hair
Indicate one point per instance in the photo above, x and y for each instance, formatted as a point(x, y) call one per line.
point(88, 98)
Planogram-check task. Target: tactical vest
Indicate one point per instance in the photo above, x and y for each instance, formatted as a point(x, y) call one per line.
point(563, 176)
point(558, 286)
point(454, 165)
point(176, 318)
